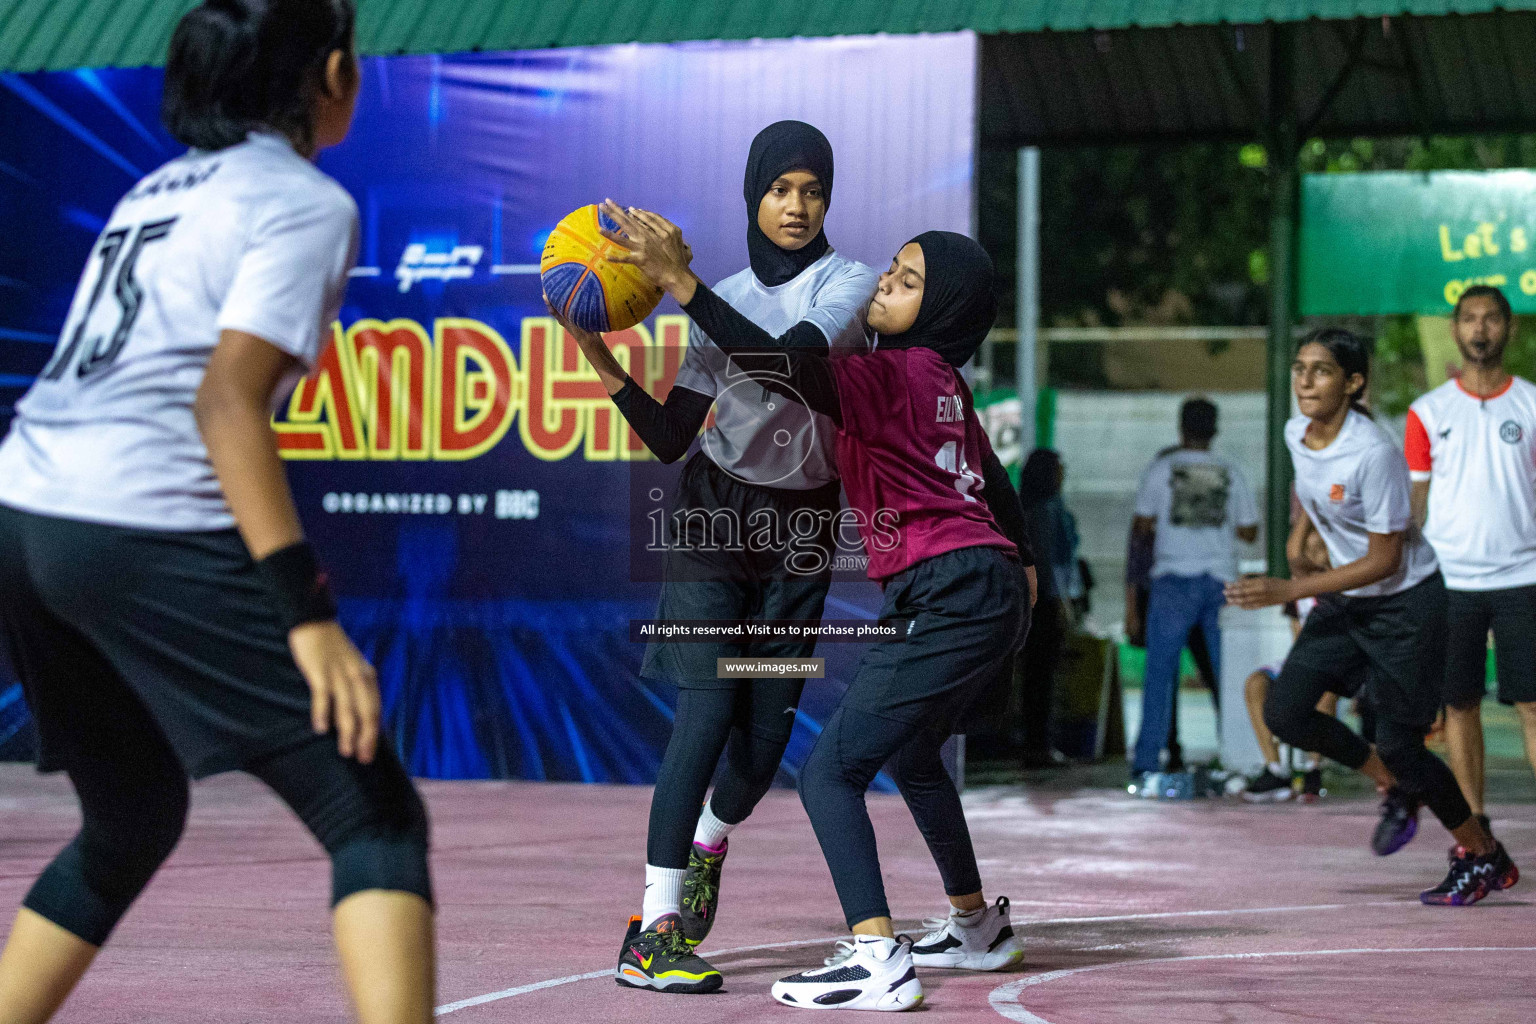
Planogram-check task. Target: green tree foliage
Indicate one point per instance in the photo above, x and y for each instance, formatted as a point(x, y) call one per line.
point(1179, 235)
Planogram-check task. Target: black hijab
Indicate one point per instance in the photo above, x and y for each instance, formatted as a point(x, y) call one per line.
point(958, 306)
point(782, 147)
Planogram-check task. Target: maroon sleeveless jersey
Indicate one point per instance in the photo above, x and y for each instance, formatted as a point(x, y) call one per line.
point(910, 452)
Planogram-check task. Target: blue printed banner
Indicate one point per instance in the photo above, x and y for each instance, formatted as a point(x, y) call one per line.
point(461, 470)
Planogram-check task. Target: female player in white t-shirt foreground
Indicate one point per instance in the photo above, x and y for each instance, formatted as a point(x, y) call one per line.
point(1381, 609)
point(159, 601)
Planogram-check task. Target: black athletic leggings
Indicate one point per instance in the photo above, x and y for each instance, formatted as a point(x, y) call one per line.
point(847, 757)
point(751, 724)
point(133, 802)
point(1398, 643)
point(968, 611)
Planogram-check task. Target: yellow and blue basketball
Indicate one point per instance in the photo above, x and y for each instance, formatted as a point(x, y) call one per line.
point(583, 285)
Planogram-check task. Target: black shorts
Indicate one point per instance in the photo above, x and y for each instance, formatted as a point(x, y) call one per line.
point(1392, 647)
point(1511, 614)
point(710, 577)
point(969, 612)
point(115, 629)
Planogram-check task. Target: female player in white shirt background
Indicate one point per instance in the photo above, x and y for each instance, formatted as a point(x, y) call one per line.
point(159, 601)
point(1381, 610)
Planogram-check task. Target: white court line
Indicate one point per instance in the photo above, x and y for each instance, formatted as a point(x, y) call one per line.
point(1005, 998)
point(508, 993)
point(1219, 913)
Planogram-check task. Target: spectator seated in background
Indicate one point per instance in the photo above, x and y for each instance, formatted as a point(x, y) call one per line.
point(1195, 505)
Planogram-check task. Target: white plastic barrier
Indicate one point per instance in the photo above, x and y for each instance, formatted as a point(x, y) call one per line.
point(1249, 640)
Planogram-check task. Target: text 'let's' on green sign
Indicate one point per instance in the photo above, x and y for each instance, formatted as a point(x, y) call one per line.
point(1405, 242)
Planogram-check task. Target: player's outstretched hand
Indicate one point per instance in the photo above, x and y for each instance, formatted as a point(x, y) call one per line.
point(344, 689)
point(655, 245)
point(1258, 591)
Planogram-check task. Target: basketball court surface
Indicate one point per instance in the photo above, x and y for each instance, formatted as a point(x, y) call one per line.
point(1131, 911)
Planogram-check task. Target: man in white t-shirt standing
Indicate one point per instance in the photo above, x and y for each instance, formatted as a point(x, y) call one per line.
point(1471, 446)
point(1196, 505)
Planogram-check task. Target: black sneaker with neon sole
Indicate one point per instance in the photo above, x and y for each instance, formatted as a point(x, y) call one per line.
point(701, 891)
point(661, 960)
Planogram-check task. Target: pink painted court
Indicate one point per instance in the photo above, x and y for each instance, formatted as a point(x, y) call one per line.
point(1131, 912)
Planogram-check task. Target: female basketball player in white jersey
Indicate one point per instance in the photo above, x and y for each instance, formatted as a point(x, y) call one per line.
point(160, 603)
point(1379, 623)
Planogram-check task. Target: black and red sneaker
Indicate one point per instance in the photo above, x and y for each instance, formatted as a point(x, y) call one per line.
point(1399, 822)
point(1471, 878)
point(1505, 874)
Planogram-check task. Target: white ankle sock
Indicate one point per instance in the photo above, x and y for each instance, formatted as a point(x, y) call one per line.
point(1278, 770)
point(663, 894)
point(711, 831)
point(968, 918)
point(879, 945)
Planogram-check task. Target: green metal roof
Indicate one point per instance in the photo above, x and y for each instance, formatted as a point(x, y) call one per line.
point(1409, 76)
point(38, 35)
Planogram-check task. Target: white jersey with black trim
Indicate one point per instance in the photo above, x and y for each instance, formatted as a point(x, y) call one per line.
point(252, 238)
point(1355, 487)
point(1479, 456)
point(755, 435)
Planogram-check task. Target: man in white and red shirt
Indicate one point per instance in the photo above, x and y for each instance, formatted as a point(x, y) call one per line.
point(1471, 447)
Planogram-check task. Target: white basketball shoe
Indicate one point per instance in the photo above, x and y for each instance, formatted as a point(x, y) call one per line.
point(982, 940)
point(869, 973)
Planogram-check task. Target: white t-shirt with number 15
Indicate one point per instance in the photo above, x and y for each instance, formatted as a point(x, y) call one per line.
point(252, 238)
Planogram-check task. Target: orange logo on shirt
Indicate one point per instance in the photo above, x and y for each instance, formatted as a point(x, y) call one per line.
point(1336, 492)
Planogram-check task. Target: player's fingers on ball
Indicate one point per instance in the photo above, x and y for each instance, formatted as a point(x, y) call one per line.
point(653, 221)
point(663, 227)
point(620, 217)
point(643, 224)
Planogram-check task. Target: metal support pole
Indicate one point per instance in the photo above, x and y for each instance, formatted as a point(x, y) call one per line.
point(1284, 145)
point(1027, 278)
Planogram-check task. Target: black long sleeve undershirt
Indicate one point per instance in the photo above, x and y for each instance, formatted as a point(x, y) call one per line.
point(733, 332)
point(795, 364)
point(669, 429)
point(1003, 500)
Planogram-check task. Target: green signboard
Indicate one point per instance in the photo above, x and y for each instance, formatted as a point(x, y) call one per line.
point(1406, 242)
